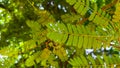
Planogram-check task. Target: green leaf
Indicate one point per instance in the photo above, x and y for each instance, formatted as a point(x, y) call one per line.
point(35, 26)
point(94, 46)
point(92, 16)
point(76, 6)
point(37, 56)
point(30, 61)
point(92, 60)
point(79, 29)
point(74, 29)
point(65, 36)
point(54, 26)
point(87, 3)
point(81, 7)
point(84, 60)
point(63, 27)
point(72, 62)
point(69, 28)
point(84, 11)
point(71, 2)
point(85, 42)
point(70, 39)
point(80, 42)
point(116, 58)
point(88, 31)
point(110, 60)
point(43, 63)
point(59, 37)
point(96, 19)
point(98, 44)
point(51, 35)
point(75, 40)
point(83, 29)
point(94, 13)
point(103, 13)
point(76, 61)
point(106, 60)
point(79, 61)
point(49, 26)
point(99, 12)
point(56, 37)
point(90, 42)
point(100, 60)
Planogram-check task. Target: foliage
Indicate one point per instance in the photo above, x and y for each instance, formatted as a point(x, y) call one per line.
point(59, 33)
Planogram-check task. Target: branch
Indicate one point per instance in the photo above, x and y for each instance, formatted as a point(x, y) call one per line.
point(109, 5)
point(83, 20)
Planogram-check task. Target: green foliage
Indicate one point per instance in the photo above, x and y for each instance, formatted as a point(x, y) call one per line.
point(55, 33)
point(81, 36)
point(88, 61)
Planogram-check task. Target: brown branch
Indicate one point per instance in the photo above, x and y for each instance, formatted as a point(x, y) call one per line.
point(109, 5)
point(117, 47)
point(83, 20)
point(61, 64)
point(65, 64)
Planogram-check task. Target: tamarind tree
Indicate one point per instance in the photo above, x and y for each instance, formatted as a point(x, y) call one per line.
point(59, 33)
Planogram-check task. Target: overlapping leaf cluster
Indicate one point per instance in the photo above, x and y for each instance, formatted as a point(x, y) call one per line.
point(98, 62)
point(75, 35)
point(60, 32)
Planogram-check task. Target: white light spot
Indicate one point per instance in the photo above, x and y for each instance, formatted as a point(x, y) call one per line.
point(56, 57)
point(88, 51)
point(1, 56)
point(59, 6)
point(41, 7)
point(7, 40)
point(50, 24)
point(104, 29)
point(1, 10)
point(94, 56)
point(66, 51)
point(21, 26)
point(1, 14)
point(0, 0)
point(19, 57)
point(102, 49)
point(108, 48)
point(8, 16)
point(64, 9)
point(112, 43)
point(52, 3)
